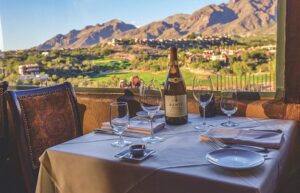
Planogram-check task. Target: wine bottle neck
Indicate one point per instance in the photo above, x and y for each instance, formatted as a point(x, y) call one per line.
point(174, 63)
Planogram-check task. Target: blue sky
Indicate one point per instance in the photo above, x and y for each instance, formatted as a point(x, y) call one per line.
point(27, 23)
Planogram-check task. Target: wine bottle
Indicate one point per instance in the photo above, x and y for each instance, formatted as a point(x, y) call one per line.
point(175, 96)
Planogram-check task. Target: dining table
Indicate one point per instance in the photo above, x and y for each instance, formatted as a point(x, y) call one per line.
point(87, 164)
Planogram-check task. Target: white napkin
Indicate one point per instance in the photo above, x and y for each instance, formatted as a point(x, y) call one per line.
point(143, 127)
point(260, 138)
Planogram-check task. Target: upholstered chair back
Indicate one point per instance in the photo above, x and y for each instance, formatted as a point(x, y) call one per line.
point(39, 119)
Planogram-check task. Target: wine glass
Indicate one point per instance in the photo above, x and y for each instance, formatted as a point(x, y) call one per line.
point(119, 121)
point(151, 103)
point(203, 94)
point(229, 106)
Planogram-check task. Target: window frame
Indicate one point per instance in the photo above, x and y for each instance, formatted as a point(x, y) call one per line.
point(280, 63)
point(281, 45)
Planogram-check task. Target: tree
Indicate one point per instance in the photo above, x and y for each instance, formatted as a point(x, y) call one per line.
point(212, 65)
point(36, 82)
point(239, 68)
point(182, 58)
point(192, 36)
point(106, 51)
point(61, 80)
point(259, 56)
point(245, 56)
point(155, 68)
point(31, 59)
point(54, 77)
point(233, 59)
point(195, 65)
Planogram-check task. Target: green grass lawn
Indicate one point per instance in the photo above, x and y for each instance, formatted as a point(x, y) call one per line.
point(188, 77)
point(106, 61)
point(146, 76)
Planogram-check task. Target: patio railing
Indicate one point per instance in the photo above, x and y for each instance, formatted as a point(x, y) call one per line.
point(247, 82)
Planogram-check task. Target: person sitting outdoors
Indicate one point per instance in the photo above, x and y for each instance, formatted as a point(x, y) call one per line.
point(135, 82)
point(123, 84)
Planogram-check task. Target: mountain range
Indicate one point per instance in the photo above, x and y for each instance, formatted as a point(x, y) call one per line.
point(237, 18)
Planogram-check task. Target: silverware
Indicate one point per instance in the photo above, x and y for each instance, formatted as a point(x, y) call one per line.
point(122, 154)
point(261, 123)
point(111, 132)
point(253, 126)
point(246, 127)
point(219, 144)
point(269, 130)
point(213, 145)
point(217, 147)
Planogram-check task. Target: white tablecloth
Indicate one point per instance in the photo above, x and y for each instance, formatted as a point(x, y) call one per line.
point(87, 164)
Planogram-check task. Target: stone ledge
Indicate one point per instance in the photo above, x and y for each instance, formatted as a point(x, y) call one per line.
point(94, 108)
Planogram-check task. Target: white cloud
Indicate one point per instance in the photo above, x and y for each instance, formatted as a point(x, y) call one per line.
point(136, 24)
point(133, 22)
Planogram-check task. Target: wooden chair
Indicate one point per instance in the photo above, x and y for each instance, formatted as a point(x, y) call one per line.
point(3, 118)
point(38, 119)
point(3, 137)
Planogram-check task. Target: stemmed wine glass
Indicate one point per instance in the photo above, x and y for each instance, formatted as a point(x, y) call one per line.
point(229, 106)
point(119, 121)
point(151, 103)
point(203, 94)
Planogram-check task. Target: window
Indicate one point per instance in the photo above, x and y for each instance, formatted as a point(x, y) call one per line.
point(114, 44)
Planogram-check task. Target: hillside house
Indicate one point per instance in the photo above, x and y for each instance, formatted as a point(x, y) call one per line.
point(29, 69)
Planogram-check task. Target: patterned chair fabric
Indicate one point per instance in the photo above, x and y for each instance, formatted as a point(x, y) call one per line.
point(41, 118)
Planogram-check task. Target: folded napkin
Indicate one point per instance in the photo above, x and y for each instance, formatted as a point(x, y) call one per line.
point(142, 127)
point(260, 138)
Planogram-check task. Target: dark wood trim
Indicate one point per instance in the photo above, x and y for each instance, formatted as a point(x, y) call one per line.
point(3, 88)
point(292, 52)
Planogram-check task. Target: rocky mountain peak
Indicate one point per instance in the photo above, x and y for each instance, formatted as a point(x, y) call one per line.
point(237, 17)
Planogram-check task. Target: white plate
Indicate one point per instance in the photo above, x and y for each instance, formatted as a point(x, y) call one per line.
point(237, 159)
point(144, 114)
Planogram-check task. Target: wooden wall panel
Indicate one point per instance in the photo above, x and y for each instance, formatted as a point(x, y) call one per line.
point(292, 65)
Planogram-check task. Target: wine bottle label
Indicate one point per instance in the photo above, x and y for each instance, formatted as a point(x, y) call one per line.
point(176, 106)
point(175, 80)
